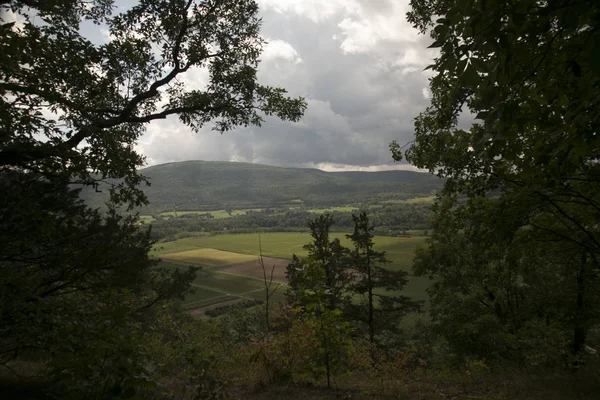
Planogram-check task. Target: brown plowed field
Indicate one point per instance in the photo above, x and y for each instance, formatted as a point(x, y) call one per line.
point(254, 269)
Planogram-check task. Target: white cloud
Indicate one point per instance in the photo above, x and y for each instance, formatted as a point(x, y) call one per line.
point(277, 49)
point(426, 93)
point(331, 167)
point(359, 64)
point(314, 10)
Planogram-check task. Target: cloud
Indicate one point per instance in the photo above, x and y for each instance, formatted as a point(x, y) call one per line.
point(280, 50)
point(314, 10)
point(359, 65)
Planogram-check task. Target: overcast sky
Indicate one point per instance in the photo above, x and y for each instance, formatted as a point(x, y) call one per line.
point(360, 66)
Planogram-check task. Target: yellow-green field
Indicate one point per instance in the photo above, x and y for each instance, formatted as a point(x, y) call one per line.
point(332, 209)
point(282, 245)
point(146, 219)
point(415, 200)
point(218, 214)
point(216, 284)
point(207, 257)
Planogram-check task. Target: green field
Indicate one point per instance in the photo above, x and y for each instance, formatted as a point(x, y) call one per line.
point(218, 214)
point(212, 288)
point(415, 200)
point(282, 245)
point(146, 219)
point(207, 257)
point(332, 209)
point(216, 287)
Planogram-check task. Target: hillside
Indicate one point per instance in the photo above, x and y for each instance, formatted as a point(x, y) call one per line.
point(204, 185)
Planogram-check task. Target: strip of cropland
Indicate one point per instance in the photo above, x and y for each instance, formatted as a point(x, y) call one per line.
point(231, 271)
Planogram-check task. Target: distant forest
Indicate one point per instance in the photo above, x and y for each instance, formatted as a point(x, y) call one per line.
point(205, 185)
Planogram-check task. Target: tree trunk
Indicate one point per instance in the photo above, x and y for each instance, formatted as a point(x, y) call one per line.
point(371, 322)
point(580, 331)
point(267, 296)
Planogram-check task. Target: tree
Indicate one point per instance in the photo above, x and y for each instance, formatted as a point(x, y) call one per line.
point(327, 347)
point(77, 287)
point(268, 283)
point(528, 72)
point(329, 257)
point(370, 274)
point(74, 109)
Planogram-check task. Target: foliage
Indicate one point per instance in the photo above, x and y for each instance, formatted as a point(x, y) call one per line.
point(220, 310)
point(80, 115)
point(370, 274)
point(78, 289)
point(516, 265)
point(390, 220)
point(214, 186)
point(310, 344)
point(83, 317)
point(324, 271)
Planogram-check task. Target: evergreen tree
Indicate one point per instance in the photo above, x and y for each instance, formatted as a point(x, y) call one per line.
point(326, 255)
point(369, 275)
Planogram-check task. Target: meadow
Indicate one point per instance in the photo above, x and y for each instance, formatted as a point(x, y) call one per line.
point(400, 250)
point(230, 270)
point(217, 214)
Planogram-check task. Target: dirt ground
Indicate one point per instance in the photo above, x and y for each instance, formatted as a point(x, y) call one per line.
point(254, 269)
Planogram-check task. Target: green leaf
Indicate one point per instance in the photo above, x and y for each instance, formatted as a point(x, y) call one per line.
point(470, 77)
point(436, 44)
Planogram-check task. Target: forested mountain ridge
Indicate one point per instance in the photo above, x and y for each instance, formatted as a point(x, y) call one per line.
point(206, 185)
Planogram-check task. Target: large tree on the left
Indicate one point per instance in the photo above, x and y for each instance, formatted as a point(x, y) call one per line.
point(77, 286)
point(72, 107)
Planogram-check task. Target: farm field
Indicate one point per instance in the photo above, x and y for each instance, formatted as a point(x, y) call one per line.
point(146, 219)
point(332, 209)
point(216, 288)
point(282, 245)
point(415, 200)
point(218, 214)
point(231, 271)
point(207, 257)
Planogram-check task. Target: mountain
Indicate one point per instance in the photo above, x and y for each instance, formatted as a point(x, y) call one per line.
point(211, 185)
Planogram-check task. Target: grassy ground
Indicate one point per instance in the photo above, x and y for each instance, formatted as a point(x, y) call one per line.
point(218, 214)
point(429, 386)
point(217, 284)
point(214, 288)
point(331, 209)
point(207, 257)
point(146, 219)
point(415, 200)
point(282, 245)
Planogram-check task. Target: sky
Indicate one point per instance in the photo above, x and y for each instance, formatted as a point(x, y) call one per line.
point(358, 63)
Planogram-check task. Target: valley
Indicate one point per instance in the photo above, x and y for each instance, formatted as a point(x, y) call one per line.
point(230, 271)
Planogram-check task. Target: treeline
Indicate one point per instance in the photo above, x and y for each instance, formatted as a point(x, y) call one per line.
point(393, 219)
point(193, 185)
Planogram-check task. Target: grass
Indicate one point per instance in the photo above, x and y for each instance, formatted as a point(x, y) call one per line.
point(217, 214)
point(146, 219)
point(332, 209)
point(283, 244)
point(207, 257)
point(213, 287)
point(414, 200)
